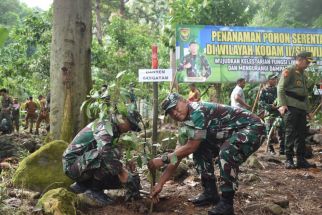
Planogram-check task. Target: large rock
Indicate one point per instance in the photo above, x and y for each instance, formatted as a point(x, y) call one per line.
point(43, 169)
point(58, 202)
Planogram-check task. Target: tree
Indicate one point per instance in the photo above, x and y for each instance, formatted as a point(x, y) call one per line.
point(12, 11)
point(289, 13)
point(70, 75)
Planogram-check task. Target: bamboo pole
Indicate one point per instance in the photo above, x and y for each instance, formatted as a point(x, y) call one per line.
point(257, 98)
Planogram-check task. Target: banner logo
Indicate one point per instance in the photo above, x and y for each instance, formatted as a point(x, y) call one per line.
point(184, 33)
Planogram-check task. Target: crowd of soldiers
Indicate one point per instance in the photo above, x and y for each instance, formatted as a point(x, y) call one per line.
point(11, 109)
point(208, 130)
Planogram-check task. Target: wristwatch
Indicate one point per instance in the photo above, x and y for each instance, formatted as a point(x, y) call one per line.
point(165, 158)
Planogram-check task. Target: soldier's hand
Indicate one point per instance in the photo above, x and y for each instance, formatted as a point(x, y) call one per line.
point(155, 164)
point(155, 193)
point(283, 110)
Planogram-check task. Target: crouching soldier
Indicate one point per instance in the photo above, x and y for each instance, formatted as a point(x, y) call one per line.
point(93, 160)
point(241, 134)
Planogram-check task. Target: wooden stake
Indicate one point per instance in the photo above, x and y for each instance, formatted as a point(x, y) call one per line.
point(257, 97)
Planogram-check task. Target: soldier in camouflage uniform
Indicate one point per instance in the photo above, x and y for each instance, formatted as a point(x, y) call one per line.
point(93, 160)
point(5, 112)
point(292, 95)
point(271, 116)
point(238, 131)
point(195, 64)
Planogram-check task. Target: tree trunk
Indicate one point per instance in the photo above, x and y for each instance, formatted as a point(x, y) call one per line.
point(99, 33)
point(122, 7)
point(70, 74)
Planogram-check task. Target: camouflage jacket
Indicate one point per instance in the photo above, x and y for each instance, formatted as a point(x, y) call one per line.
point(199, 66)
point(6, 104)
point(266, 101)
point(97, 139)
point(215, 121)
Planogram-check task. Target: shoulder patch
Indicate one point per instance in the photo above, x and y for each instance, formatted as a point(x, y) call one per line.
point(285, 73)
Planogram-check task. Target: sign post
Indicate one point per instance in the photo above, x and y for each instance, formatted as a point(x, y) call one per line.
point(154, 75)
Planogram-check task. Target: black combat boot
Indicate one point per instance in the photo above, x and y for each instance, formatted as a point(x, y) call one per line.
point(96, 198)
point(133, 187)
point(289, 164)
point(210, 194)
point(301, 162)
point(78, 187)
point(225, 205)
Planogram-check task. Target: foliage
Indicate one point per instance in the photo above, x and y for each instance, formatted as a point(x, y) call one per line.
point(289, 13)
point(25, 57)
point(12, 12)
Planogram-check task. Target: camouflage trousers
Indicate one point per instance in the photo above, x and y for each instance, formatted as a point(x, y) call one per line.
point(203, 157)
point(94, 165)
point(279, 127)
point(235, 150)
point(232, 153)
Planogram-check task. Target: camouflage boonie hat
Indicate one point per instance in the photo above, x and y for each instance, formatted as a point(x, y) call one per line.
point(307, 55)
point(134, 118)
point(170, 102)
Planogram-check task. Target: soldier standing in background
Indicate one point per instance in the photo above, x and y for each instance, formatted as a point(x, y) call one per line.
point(31, 108)
point(292, 95)
point(272, 117)
point(6, 107)
point(43, 113)
point(16, 114)
point(194, 94)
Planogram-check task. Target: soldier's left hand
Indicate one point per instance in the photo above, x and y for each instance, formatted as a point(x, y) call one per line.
point(155, 164)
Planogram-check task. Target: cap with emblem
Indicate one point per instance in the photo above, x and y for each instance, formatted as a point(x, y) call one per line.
point(170, 102)
point(307, 55)
point(272, 76)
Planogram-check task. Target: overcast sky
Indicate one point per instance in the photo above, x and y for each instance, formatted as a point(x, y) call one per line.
point(43, 4)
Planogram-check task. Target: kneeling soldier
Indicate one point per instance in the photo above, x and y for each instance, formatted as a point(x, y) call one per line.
point(93, 160)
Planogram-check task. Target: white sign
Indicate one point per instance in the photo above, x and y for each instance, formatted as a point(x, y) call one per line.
point(155, 75)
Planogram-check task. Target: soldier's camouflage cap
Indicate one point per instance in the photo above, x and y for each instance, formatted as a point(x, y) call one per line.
point(134, 118)
point(170, 101)
point(307, 55)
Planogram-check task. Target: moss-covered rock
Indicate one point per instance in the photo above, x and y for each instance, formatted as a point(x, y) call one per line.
point(43, 169)
point(58, 202)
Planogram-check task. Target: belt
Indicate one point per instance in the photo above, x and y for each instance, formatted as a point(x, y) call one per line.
point(295, 96)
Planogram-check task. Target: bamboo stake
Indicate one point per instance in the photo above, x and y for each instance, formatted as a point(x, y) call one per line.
point(257, 97)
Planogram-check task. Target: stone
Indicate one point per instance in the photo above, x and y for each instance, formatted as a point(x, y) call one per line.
point(253, 162)
point(252, 178)
point(43, 169)
point(317, 138)
point(58, 202)
point(284, 203)
point(274, 209)
point(12, 202)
